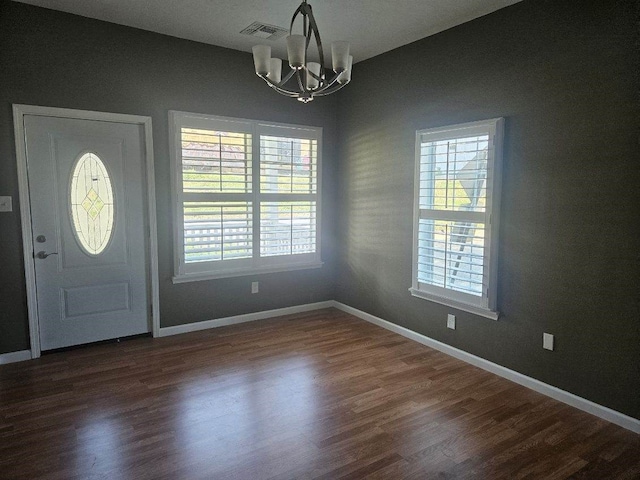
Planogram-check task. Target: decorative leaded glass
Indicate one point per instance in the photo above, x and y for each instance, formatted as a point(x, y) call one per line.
point(92, 207)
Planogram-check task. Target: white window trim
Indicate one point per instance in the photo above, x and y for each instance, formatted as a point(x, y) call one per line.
point(253, 265)
point(487, 306)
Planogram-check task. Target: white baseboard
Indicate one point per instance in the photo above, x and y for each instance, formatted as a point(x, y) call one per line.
point(18, 356)
point(603, 412)
point(249, 317)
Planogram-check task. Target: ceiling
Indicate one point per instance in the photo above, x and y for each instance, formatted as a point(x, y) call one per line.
point(371, 26)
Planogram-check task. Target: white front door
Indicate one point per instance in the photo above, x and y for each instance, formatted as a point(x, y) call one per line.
point(86, 189)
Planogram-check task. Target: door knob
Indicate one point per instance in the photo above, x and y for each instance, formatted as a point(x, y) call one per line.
point(42, 254)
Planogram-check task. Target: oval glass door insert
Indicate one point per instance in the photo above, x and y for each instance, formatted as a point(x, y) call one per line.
point(92, 207)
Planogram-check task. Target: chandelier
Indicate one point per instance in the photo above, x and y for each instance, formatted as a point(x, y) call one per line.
point(312, 79)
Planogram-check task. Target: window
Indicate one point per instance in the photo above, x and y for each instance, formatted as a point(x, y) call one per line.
point(457, 193)
point(91, 202)
point(247, 196)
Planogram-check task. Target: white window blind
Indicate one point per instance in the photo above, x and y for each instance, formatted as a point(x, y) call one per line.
point(287, 228)
point(288, 165)
point(217, 231)
point(288, 184)
point(230, 221)
point(215, 162)
point(456, 198)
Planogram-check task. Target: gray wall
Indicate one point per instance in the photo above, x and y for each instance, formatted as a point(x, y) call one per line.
point(565, 77)
point(55, 59)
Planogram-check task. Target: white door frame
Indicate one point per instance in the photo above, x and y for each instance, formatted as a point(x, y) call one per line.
point(19, 111)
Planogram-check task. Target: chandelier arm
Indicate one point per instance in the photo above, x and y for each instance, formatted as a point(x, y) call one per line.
point(305, 24)
point(330, 91)
point(317, 77)
point(287, 93)
point(313, 27)
point(299, 11)
point(328, 84)
point(299, 77)
point(278, 87)
point(285, 79)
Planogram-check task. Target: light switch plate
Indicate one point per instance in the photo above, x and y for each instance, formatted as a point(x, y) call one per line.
point(255, 287)
point(547, 341)
point(6, 204)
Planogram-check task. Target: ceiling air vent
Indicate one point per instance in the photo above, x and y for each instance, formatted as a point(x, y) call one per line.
point(264, 31)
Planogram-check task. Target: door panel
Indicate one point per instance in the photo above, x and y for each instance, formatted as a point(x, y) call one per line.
point(85, 296)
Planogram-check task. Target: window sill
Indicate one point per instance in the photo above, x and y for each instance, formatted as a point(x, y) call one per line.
point(196, 277)
point(483, 312)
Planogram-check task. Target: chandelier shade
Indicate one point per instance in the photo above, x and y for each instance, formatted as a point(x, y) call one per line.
point(306, 79)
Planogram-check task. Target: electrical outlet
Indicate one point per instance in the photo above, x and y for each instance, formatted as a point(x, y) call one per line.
point(451, 322)
point(5, 204)
point(255, 287)
point(547, 341)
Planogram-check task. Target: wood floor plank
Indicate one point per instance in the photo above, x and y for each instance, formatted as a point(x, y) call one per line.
point(314, 395)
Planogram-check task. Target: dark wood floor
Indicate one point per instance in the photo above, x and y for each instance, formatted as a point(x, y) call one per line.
point(316, 395)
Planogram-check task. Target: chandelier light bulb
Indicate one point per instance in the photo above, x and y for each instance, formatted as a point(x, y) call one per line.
point(296, 45)
point(275, 70)
point(345, 77)
point(312, 82)
point(261, 59)
point(340, 56)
